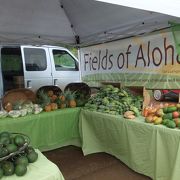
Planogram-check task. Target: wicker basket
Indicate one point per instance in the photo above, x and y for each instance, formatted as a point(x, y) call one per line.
point(82, 91)
point(20, 149)
point(56, 90)
point(15, 95)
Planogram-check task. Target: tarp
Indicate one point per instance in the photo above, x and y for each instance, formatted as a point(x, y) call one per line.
point(80, 22)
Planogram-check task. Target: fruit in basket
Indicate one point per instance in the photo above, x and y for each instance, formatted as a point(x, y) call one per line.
point(47, 108)
point(50, 93)
point(72, 102)
point(32, 156)
point(22, 160)
point(5, 134)
point(54, 106)
point(3, 152)
point(8, 168)
point(43, 99)
point(20, 169)
point(11, 148)
point(53, 98)
point(4, 140)
point(62, 97)
point(19, 140)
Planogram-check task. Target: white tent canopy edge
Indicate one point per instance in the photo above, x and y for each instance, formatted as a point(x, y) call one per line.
point(81, 23)
point(169, 7)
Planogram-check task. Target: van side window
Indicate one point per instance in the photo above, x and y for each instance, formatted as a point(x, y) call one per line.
point(64, 61)
point(35, 59)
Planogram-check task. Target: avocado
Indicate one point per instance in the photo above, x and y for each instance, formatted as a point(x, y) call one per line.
point(3, 152)
point(22, 160)
point(11, 148)
point(4, 140)
point(5, 134)
point(32, 157)
point(19, 140)
point(20, 169)
point(8, 168)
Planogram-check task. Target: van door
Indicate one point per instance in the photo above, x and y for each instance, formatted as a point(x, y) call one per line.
point(65, 67)
point(37, 67)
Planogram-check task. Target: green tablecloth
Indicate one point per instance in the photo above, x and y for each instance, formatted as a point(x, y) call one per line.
point(42, 169)
point(148, 149)
point(47, 130)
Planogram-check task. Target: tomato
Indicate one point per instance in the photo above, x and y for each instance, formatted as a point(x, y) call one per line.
point(175, 114)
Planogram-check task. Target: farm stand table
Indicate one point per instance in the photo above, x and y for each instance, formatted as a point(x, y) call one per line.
point(47, 131)
point(42, 169)
point(148, 149)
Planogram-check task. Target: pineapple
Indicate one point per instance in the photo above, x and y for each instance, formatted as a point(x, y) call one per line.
point(62, 97)
point(43, 99)
point(54, 106)
point(71, 98)
point(53, 98)
point(48, 108)
point(63, 105)
point(50, 93)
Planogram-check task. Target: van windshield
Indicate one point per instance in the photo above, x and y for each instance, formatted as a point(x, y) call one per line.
point(64, 61)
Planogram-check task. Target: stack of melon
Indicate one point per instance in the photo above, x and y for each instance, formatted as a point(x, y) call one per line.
point(15, 154)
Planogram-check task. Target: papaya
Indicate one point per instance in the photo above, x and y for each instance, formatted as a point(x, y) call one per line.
point(171, 109)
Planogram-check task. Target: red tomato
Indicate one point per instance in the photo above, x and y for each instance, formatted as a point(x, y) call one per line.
point(175, 114)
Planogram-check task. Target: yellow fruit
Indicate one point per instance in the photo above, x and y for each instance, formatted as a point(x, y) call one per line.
point(158, 121)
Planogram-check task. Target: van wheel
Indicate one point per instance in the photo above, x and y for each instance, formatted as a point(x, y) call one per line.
point(158, 95)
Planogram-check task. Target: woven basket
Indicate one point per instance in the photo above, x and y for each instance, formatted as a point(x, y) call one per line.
point(15, 95)
point(20, 149)
point(56, 90)
point(79, 87)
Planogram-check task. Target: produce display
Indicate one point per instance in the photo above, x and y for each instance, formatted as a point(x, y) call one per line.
point(15, 154)
point(49, 101)
point(19, 109)
point(116, 101)
point(166, 114)
point(49, 98)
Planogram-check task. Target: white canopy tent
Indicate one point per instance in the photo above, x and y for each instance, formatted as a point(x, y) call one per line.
point(81, 22)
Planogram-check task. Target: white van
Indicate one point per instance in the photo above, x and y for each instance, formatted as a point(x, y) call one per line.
point(32, 67)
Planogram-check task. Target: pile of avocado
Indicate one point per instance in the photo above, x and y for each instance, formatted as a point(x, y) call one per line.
point(16, 163)
point(171, 117)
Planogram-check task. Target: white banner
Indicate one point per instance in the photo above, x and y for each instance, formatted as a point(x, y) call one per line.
point(152, 54)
